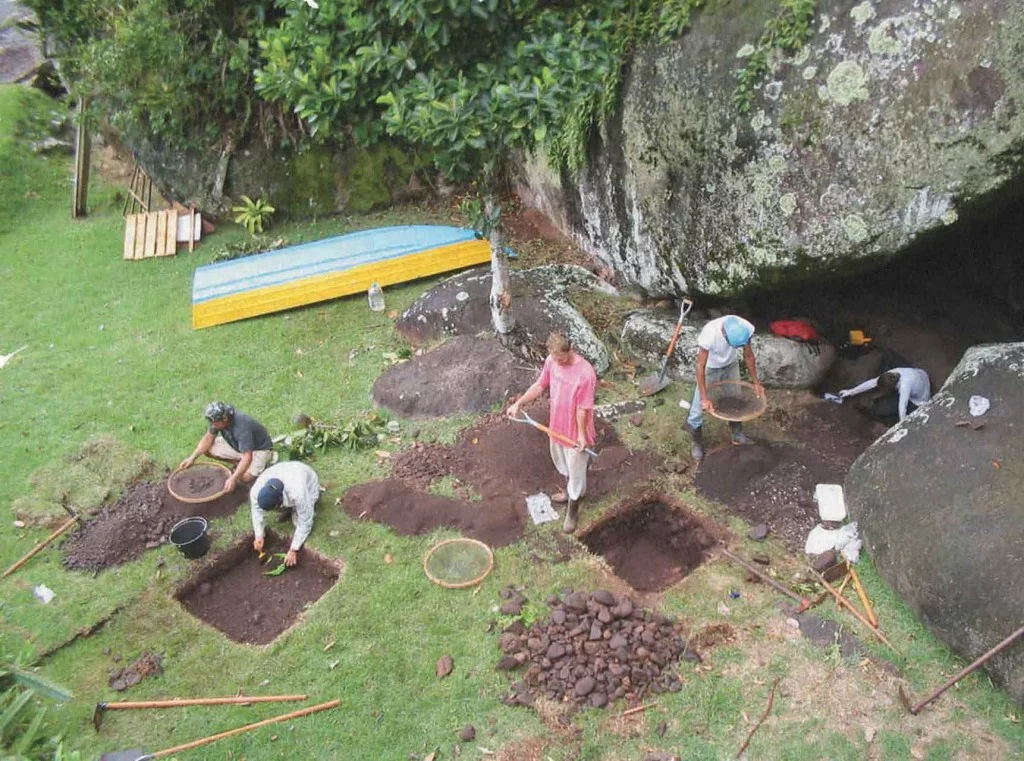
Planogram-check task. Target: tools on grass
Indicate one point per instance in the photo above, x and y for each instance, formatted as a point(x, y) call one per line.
point(868, 610)
point(544, 429)
point(125, 705)
point(916, 708)
point(656, 382)
point(844, 603)
point(139, 755)
point(75, 518)
point(804, 602)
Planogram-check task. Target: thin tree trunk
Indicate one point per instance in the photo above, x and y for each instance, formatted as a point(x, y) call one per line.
point(501, 293)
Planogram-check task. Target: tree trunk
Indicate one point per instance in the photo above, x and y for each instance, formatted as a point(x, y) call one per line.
point(501, 293)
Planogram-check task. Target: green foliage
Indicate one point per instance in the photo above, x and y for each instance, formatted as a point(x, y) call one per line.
point(253, 215)
point(257, 244)
point(21, 718)
point(279, 568)
point(362, 433)
point(786, 33)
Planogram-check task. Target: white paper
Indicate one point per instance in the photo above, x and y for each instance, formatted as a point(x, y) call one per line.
point(821, 540)
point(831, 505)
point(43, 593)
point(539, 507)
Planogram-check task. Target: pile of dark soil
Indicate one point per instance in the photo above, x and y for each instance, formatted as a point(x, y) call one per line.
point(139, 520)
point(466, 374)
point(591, 649)
point(147, 664)
point(198, 482)
point(652, 543)
point(736, 407)
point(773, 483)
point(234, 594)
point(500, 460)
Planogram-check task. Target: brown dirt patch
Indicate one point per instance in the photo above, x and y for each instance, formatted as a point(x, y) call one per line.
point(147, 664)
point(139, 520)
point(198, 482)
point(465, 374)
point(233, 594)
point(651, 542)
point(501, 461)
point(773, 482)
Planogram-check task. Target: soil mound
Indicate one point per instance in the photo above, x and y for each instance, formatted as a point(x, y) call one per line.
point(592, 649)
point(234, 594)
point(139, 520)
point(500, 460)
point(466, 374)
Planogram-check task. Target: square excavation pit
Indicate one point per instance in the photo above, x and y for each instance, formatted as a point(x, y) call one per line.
point(652, 542)
point(234, 595)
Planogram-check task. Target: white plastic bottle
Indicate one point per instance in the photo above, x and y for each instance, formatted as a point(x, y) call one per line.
point(376, 297)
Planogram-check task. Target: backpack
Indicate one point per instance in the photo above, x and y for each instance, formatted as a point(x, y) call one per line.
point(797, 330)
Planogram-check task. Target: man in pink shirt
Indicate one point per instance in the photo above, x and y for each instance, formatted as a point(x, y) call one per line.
point(572, 382)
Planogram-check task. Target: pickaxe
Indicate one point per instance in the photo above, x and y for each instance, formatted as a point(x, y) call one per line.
point(102, 708)
point(75, 518)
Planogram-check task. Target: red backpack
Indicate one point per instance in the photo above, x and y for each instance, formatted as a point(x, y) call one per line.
point(798, 330)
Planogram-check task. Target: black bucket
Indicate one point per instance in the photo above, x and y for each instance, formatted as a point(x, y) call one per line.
point(190, 537)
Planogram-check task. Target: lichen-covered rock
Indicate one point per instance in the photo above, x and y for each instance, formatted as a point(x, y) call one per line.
point(540, 301)
point(939, 506)
point(316, 182)
point(896, 118)
point(781, 363)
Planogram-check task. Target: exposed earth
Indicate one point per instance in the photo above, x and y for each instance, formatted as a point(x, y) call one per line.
point(223, 594)
point(200, 481)
point(465, 374)
point(141, 519)
point(500, 460)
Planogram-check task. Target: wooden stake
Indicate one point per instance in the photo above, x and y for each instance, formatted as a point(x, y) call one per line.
point(767, 710)
point(872, 618)
point(39, 547)
point(639, 709)
point(843, 602)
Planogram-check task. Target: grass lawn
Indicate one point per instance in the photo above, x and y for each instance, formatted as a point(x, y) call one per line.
point(111, 352)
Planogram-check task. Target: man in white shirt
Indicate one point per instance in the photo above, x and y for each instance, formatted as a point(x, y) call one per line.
point(286, 487)
point(718, 360)
point(902, 390)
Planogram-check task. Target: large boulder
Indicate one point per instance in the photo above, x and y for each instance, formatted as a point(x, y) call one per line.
point(896, 118)
point(781, 363)
point(21, 51)
point(541, 304)
point(938, 500)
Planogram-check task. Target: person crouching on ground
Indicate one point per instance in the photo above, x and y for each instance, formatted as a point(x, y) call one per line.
point(901, 391)
point(718, 360)
point(572, 383)
point(236, 437)
point(292, 489)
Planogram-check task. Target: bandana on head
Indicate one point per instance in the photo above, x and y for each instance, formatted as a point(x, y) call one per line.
point(271, 496)
point(218, 411)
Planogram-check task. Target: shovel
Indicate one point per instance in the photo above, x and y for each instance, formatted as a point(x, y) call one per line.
point(656, 382)
point(140, 755)
point(544, 429)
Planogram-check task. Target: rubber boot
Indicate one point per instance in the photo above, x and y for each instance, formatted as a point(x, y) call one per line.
point(738, 437)
point(697, 450)
point(571, 515)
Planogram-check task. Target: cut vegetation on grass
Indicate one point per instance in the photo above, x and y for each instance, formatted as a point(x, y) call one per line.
point(112, 355)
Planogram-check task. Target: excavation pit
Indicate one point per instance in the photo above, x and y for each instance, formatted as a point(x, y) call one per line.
point(652, 542)
point(234, 594)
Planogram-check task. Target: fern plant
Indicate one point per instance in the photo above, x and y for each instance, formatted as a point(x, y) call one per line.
point(253, 215)
point(20, 717)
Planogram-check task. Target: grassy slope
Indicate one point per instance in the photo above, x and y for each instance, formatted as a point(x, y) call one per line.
point(145, 377)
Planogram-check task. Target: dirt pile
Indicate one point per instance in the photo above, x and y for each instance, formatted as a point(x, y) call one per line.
point(466, 374)
point(139, 520)
point(147, 664)
point(591, 649)
point(234, 594)
point(500, 460)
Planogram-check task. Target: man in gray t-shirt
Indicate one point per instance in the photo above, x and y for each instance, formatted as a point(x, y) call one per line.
point(235, 436)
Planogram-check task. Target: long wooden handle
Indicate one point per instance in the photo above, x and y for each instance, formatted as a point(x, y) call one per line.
point(39, 547)
point(872, 618)
point(843, 602)
point(555, 435)
point(248, 727)
point(684, 309)
point(174, 703)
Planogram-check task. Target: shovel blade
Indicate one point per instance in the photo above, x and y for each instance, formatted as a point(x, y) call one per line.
point(652, 384)
point(134, 754)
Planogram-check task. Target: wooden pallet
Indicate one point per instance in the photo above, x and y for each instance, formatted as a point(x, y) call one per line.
point(151, 234)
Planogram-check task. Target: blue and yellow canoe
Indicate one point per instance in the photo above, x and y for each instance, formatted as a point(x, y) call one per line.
point(329, 268)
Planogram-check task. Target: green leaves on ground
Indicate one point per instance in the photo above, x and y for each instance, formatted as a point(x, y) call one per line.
point(364, 432)
point(279, 568)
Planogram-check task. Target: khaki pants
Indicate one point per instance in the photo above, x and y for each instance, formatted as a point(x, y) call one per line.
point(571, 463)
point(261, 458)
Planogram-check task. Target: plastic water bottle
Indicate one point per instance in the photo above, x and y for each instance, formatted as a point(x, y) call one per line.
point(376, 297)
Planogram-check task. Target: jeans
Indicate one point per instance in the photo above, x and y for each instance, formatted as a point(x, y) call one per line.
point(711, 375)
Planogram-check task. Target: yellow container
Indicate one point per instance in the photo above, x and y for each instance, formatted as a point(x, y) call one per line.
point(857, 338)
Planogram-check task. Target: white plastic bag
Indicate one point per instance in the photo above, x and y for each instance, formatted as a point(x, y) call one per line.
point(539, 507)
point(43, 593)
point(820, 540)
point(849, 542)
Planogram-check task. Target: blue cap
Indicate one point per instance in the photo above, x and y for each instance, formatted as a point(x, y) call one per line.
point(737, 331)
point(271, 495)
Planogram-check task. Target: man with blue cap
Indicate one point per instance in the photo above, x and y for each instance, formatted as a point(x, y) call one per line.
point(718, 360)
point(288, 487)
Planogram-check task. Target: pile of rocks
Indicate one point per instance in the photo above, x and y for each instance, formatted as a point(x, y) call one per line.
point(591, 649)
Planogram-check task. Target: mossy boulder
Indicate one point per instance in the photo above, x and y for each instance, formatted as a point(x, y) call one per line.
point(896, 119)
